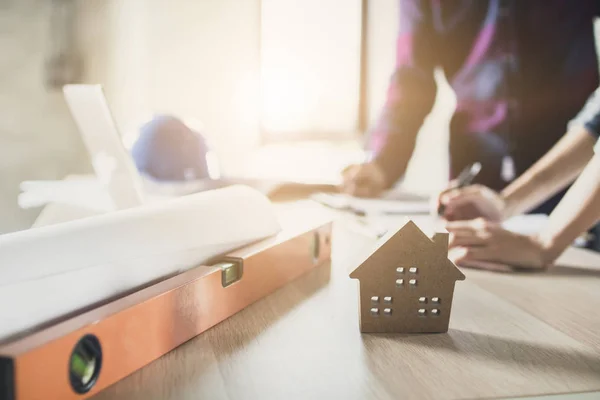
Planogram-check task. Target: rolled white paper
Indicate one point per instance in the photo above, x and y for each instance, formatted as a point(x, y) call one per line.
point(50, 271)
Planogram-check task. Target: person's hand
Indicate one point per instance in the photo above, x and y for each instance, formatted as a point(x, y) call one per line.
point(470, 202)
point(363, 180)
point(485, 244)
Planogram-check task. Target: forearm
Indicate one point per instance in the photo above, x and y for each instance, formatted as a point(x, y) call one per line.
point(553, 172)
point(411, 92)
point(394, 157)
point(578, 211)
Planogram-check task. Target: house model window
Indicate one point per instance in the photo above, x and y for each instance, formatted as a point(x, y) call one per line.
point(402, 282)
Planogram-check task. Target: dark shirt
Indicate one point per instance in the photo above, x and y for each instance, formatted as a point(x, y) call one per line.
point(521, 70)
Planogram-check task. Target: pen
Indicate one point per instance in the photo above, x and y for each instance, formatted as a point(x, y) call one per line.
point(464, 179)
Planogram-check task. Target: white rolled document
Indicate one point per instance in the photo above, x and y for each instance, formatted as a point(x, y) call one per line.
point(51, 271)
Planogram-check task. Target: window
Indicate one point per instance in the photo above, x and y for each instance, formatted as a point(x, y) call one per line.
point(434, 311)
point(310, 55)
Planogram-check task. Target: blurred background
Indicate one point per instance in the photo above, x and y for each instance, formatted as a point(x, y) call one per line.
point(281, 88)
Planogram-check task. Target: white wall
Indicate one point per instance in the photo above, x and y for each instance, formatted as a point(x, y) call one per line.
point(38, 139)
point(195, 58)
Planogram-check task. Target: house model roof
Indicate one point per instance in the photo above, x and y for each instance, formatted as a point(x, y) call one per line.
point(409, 239)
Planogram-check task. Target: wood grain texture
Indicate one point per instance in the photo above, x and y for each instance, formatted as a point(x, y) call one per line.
point(566, 296)
point(510, 335)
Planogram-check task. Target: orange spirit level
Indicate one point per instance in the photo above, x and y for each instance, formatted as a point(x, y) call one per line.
point(80, 356)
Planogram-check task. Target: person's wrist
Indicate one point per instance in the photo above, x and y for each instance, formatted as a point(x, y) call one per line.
point(549, 250)
point(382, 176)
point(506, 207)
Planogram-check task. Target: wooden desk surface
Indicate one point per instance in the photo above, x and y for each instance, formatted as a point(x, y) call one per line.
point(510, 335)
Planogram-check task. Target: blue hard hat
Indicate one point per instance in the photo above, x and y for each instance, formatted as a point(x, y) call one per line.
point(168, 150)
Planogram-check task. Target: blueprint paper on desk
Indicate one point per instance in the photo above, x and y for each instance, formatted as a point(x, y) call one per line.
point(51, 271)
point(393, 203)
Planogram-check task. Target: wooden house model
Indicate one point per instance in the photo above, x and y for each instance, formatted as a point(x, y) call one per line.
point(407, 283)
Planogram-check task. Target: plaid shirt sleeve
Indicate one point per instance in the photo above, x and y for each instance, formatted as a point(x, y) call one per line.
point(411, 91)
point(589, 116)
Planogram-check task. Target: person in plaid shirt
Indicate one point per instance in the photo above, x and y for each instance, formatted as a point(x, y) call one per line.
point(520, 70)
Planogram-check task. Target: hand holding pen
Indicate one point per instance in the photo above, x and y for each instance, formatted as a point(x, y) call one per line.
point(466, 201)
point(465, 178)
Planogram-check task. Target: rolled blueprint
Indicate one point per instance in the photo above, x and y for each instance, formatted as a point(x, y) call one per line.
point(51, 271)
